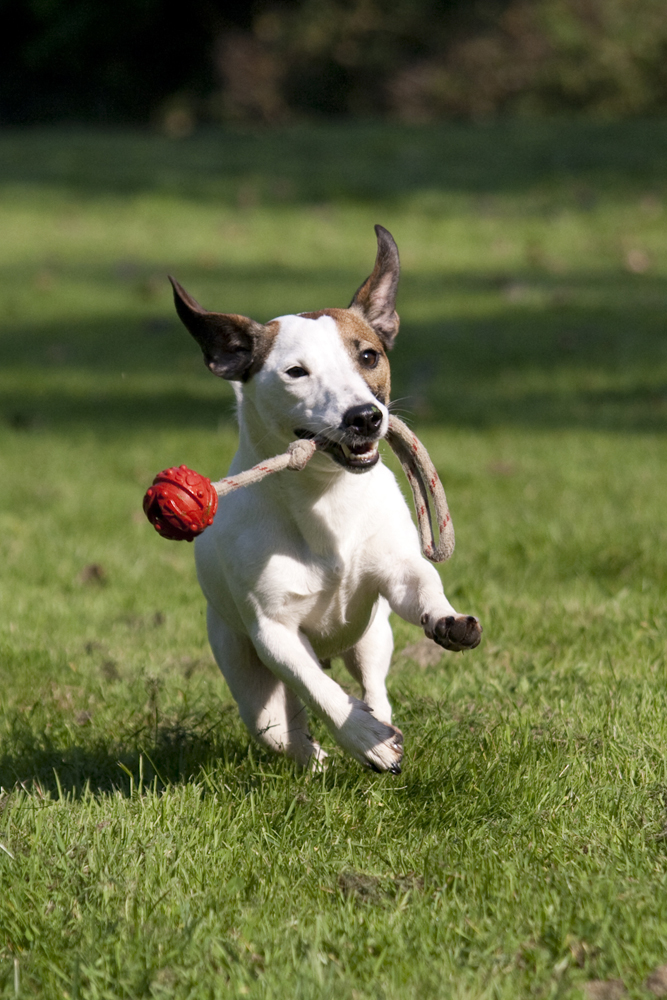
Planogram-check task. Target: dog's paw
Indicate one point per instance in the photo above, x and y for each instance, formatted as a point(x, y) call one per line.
point(387, 755)
point(458, 633)
point(374, 743)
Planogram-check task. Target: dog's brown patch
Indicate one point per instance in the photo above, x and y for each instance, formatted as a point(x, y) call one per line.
point(262, 344)
point(358, 336)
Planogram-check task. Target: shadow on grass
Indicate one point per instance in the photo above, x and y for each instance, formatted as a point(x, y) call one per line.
point(582, 351)
point(175, 754)
point(355, 160)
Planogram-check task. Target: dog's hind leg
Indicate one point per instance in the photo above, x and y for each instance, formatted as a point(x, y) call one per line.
point(273, 714)
point(369, 660)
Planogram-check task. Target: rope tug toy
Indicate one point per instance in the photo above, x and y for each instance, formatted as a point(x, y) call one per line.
point(181, 503)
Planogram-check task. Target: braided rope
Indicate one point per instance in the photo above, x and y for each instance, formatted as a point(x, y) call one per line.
point(297, 456)
point(418, 468)
point(422, 476)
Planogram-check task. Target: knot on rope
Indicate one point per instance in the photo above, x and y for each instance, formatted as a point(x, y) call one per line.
point(300, 453)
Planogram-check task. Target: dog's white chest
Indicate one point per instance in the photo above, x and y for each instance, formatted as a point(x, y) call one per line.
point(330, 599)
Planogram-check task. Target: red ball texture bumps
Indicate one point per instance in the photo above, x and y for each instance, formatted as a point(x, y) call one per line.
point(180, 503)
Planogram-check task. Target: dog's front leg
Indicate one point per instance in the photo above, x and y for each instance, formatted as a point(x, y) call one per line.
point(414, 591)
point(369, 659)
point(288, 653)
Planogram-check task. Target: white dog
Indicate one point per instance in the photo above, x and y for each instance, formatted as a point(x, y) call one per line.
point(305, 566)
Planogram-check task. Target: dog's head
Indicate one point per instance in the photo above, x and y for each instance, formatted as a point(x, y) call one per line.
point(322, 375)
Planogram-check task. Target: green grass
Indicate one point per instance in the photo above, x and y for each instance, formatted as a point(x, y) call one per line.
point(149, 849)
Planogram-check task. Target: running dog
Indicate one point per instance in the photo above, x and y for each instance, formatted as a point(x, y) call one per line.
point(300, 568)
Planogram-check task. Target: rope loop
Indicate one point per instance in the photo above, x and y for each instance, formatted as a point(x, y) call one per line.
point(424, 481)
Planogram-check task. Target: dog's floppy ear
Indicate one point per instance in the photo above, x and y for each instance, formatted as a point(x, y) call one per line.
point(233, 346)
point(376, 298)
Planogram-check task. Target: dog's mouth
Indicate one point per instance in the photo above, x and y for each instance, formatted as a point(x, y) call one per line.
point(358, 456)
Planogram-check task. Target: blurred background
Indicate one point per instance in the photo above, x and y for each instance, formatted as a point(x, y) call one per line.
point(517, 147)
point(157, 61)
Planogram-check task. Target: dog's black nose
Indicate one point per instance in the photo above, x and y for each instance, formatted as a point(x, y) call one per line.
point(365, 419)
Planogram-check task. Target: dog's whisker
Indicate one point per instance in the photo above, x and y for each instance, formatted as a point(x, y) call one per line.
point(393, 406)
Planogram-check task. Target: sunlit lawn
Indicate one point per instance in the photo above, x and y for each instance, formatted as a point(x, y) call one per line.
point(148, 850)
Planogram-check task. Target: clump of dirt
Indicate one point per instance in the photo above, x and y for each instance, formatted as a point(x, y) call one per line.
point(656, 983)
point(605, 989)
point(375, 888)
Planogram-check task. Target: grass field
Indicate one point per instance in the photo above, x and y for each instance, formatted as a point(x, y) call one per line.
point(147, 849)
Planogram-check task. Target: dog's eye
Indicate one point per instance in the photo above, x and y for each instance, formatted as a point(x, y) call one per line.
point(296, 372)
point(369, 358)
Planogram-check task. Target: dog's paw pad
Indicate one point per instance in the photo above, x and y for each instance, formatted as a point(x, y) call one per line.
point(458, 633)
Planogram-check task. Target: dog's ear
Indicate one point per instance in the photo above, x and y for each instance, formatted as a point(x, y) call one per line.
point(376, 298)
point(232, 345)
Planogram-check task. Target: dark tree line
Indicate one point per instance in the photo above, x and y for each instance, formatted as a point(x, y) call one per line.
point(269, 61)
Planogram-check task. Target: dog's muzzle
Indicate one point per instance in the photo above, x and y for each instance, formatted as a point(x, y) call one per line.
point(357, 447)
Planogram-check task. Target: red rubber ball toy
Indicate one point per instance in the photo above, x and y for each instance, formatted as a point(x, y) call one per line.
point(180, 503)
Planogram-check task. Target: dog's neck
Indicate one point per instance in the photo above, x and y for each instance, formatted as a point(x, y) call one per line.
point(314, 499)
